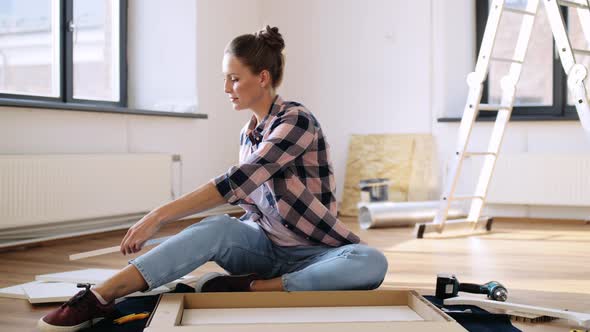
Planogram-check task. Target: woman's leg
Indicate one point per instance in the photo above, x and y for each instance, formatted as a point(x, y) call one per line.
point(350, 267)
point(267, 285)
point(127, 281)
point(238, 247)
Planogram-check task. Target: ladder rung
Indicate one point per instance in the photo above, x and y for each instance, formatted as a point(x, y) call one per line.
point(460, 225)
point(493, 107)
point(465, 198)
point(585, 52)
point(520, 11)
point(480, 153)
point(505, 60)
point(571, 4)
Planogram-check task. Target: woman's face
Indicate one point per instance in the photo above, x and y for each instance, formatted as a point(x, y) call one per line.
point(242, 86)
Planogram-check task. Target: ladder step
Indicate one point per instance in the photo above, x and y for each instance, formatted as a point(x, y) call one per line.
point(494, 107)
point(483, 223)
point(584, 52)
point(505, 60)
point(573, 4)
point(520, 11)
point(465, 198)
point(480, 153)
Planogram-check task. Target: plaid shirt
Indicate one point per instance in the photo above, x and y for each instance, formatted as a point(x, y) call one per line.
point(288, 152)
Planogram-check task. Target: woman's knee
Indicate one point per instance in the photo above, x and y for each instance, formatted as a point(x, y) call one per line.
point(374, 265)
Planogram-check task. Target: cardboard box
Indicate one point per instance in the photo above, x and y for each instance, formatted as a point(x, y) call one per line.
point(411, 312)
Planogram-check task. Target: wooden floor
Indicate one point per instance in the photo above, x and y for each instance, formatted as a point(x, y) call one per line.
point(544, 264)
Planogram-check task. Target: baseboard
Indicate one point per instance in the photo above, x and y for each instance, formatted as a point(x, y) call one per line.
point(552, 221)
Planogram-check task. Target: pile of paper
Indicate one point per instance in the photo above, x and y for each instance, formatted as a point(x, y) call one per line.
point(60, 287)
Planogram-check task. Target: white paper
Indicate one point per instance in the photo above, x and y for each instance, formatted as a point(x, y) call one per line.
point(16, 291)
point(91, 276)
point(47, 292)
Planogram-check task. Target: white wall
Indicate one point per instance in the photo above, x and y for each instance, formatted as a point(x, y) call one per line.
point(360, 66)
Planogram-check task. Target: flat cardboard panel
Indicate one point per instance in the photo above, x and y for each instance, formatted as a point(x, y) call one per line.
point(423, 180)
point(99, 276)
point(91, 276)
point(169, 311)
point(16, 291)
point(50, 292)
point(299, 315)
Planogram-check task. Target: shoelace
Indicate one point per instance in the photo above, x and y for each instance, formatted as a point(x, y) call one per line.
point(78, 296)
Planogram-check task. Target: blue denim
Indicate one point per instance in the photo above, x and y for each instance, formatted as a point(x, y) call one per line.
point(242, 247)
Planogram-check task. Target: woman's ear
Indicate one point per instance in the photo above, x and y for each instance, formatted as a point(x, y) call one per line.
point(265, 78)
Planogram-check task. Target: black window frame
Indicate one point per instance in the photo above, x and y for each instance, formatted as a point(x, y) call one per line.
point(66, 68)
point(559, 110)
point(65, 101)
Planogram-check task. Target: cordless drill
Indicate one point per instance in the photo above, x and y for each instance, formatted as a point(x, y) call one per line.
point(447, 286)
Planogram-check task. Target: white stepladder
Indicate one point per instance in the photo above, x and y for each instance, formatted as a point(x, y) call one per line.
point(576, 73)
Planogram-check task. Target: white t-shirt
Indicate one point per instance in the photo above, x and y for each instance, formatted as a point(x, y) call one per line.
point(271, 221)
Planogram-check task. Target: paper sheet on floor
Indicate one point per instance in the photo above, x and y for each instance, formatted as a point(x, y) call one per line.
point(48, 292)
point(16, 291)
point(59, 287)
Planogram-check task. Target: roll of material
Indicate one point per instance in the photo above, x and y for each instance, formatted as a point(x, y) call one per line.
point(391, 214)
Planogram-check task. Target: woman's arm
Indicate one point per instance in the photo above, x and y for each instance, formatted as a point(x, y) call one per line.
point(290, 135)
point(203, 198)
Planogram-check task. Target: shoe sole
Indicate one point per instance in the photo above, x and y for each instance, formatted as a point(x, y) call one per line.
point(46, 327)
point(206, 277)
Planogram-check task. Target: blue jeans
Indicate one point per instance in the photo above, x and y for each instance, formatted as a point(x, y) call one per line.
point(242, 247)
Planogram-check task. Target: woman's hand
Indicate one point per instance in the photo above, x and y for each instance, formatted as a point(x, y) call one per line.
point(203, 198)
point(139, 233)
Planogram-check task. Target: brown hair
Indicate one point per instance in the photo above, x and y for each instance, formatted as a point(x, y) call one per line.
point(259, 51)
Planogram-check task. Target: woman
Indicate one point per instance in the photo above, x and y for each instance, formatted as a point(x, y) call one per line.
point(289, 239)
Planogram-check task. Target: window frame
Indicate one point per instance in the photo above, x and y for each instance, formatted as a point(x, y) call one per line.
point(559, 110)
point(69, 61)
point(66, 68)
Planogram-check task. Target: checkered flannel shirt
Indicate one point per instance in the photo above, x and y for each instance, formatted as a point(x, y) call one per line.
point(288, 152)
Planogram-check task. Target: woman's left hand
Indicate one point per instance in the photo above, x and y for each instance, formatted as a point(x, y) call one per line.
point(139, 233)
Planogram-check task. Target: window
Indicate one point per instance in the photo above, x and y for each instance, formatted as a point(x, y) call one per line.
point(542, 88)
point(64, 51)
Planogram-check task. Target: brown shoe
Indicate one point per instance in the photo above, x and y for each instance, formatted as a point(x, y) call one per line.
point(220, 282)
point(81, 311)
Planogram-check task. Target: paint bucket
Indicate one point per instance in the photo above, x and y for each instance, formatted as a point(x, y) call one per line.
point(374, 190)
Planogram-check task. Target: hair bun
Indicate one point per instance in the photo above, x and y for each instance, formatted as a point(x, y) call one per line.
point(272, 38)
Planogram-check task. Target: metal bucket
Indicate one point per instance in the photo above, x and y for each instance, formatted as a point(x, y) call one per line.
point(374, 190)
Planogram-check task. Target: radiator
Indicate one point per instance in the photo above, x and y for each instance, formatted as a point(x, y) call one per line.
point(45, 190)
point(535, 179)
